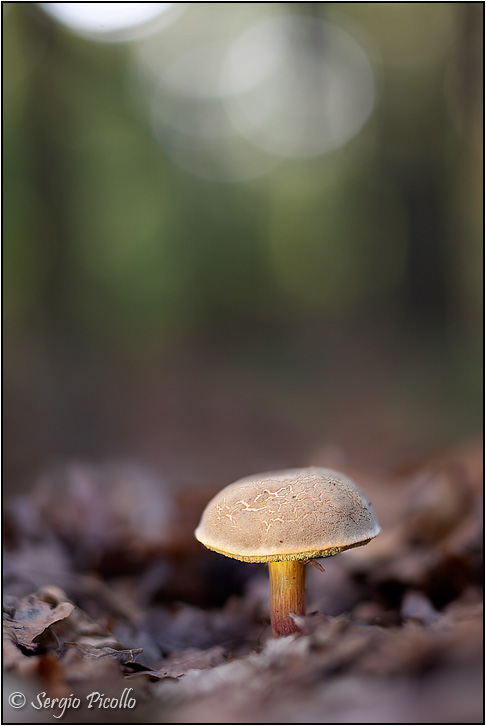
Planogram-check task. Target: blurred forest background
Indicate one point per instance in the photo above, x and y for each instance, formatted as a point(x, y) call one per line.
point(239, 237)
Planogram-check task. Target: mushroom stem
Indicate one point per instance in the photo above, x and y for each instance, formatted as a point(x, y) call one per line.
point(287, 595)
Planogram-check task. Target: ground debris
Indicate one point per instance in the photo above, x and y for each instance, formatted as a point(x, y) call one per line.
point(394, 630)
point(26, 619)
point(190, 659)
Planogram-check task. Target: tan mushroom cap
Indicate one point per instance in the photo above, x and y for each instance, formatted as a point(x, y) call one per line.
point(294, 514)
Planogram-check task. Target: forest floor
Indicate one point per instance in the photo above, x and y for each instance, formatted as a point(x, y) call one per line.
point(107, 592)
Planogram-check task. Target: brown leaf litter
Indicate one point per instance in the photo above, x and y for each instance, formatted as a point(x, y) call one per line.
point(99, 594)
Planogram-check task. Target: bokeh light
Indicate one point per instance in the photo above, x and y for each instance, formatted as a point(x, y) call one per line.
point(299, 85)
point(232, 108)
point(190, 121)
point(117, 22)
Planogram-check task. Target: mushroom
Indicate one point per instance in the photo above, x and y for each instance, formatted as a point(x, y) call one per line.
point(287, 518)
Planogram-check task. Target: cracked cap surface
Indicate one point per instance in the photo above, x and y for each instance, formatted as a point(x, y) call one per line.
point(288, 515)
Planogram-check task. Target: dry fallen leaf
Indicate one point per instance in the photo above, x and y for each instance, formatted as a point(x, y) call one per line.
point(190, 659)
point(26, 619)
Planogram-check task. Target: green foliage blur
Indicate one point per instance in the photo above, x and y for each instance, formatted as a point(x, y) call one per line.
point(341, 292)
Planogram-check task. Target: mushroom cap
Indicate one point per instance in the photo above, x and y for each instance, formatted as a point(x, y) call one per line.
point(295, 514)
